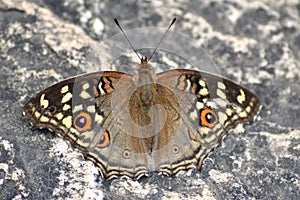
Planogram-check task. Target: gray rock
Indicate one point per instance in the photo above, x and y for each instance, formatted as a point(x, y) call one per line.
point(255, 43)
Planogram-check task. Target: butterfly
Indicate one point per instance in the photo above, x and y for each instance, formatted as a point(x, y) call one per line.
point(131, 125)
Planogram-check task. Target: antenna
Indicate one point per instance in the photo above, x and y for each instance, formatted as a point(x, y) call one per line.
point(117, 23)
point(173, 21)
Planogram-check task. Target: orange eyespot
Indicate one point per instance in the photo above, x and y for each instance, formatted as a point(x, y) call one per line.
point(82, 121)
point(104, 140)
point(208, 117)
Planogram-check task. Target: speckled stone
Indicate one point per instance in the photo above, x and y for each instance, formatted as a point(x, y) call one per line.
point(255, 43)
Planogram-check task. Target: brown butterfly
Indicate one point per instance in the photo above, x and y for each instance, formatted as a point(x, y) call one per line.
point(132, 125)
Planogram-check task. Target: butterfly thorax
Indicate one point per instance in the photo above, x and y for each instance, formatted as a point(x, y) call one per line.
point(146, 86)
point(144, 101)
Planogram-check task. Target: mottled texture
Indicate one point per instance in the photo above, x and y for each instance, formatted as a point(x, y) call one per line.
point(255, 43)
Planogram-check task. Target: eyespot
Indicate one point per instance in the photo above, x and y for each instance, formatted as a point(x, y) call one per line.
point(52, 109)
point(104, 140)
point(82, 121)
point(208, 117)
point(126, 153)
point(175, 149)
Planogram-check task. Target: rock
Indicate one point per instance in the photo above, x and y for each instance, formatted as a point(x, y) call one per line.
point(255, 43)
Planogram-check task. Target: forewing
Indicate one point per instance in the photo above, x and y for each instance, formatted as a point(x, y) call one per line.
point(84, 110)
point(209, 106)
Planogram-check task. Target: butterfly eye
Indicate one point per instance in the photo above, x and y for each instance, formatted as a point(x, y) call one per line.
point(83, 121)
point(208, 117)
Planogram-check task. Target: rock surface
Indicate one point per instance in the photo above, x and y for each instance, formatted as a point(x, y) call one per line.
point(255, 43)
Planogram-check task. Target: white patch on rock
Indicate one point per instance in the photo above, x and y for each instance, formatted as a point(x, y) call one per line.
point(98, 26)
point(81, 175)
point(219, 177)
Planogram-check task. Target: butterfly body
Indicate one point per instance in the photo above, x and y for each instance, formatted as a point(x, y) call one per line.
point(131, 125)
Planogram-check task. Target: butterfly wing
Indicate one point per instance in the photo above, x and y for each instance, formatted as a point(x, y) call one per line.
point(209, 106)
point(86, 111)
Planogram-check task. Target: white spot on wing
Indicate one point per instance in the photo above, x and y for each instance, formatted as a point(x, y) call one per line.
point(204, 92)
point(52, 121)
point(202, 83)
point(37, 114)
point(229, 111)
point(91, 109)
point(212, 104)
point(188, 86)
point(85, 86)
point(100, 88)
point(242, 97)
point(64, 89)
point(44, 119)
point(221, 102)
point(98, 118)
point(248, 109)
point(194, 115)
point(222, 117)
point(85, 95)
point(221, 86)
point(221, 94)
point(66, 107)
point(66, 97)
point(199, 105)
point(59, 116)
point(67, 121)
point(44, 102)
point(243, 114)
point(77, 108)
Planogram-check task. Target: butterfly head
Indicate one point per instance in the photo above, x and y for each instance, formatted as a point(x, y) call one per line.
point(144, 60)
point(144, 66)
